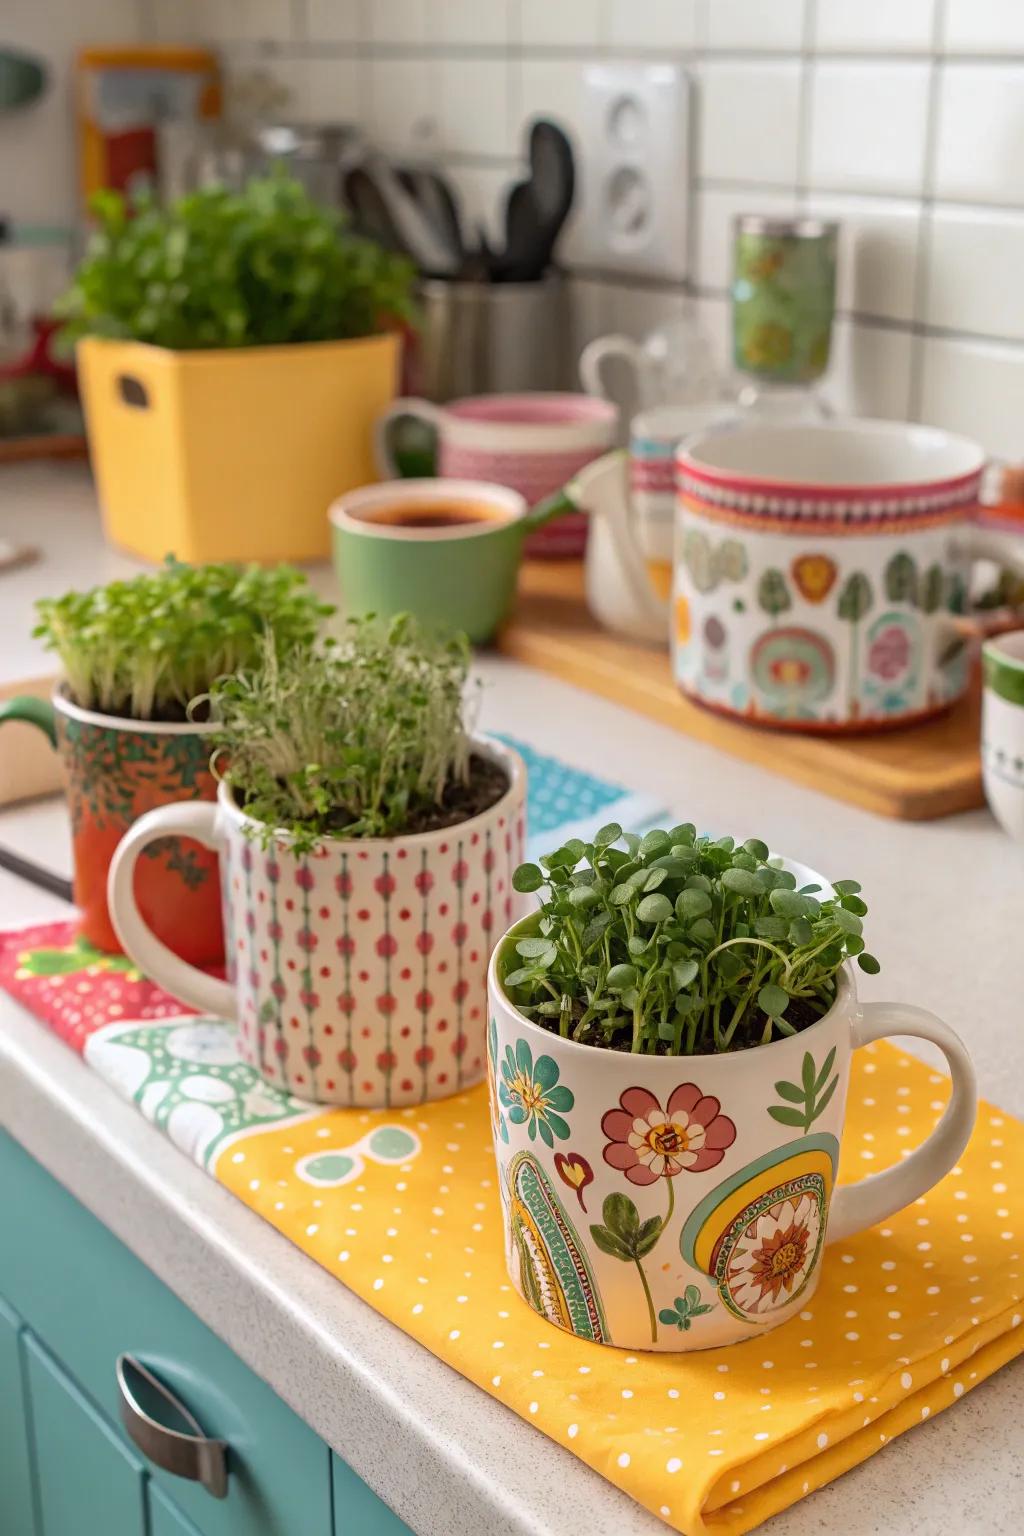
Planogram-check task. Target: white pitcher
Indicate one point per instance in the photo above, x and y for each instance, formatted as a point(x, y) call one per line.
point(620, 592)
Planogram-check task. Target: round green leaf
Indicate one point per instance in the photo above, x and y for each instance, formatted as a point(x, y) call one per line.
point(527, 878)
point(620, 977)
point(654, 909)
point(607, 835)
point(773, 1000)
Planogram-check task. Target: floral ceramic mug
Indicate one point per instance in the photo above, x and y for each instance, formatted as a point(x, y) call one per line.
point(682, 1202)
point(358, 971)
point(822, 571)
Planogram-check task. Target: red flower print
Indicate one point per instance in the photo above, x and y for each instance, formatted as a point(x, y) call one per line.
point(459, 1045)
point(346, 1002)
point(424, 1001)
point(307, 940)
point(384, 885)
point(387, 1002)
point(460, 872)
point(246, 857)
point(460, 933)
point(311, 1056)
point(343, 885)
point(424, 943)
point(424, 882)
point(648, 1143)
point(424, 1056)
point(309, 999)
point(489, 860)
point(273, 869)
point(275, 932)
point(345, 945)
point(889, 656)
point(386, 944)
point(387, 1061)
point(347, 1060)
point(277, 988)
point(280, 1047)
point(575, 1171)
point(304, 878)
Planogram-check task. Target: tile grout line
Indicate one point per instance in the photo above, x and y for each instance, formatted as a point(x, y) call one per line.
point(922, 264)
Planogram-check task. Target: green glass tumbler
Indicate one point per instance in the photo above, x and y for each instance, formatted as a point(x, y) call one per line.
point(783, 297)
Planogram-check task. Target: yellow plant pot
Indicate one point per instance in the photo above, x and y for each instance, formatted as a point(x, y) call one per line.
point(231, 454)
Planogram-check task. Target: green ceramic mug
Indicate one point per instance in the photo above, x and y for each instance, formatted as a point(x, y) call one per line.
point(446, 551)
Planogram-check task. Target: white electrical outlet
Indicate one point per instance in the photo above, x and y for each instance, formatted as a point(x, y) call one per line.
point(635, 177)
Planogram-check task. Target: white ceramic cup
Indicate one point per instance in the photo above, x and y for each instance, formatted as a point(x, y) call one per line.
point(654, 439)
point(822, 572)
point(743, 1204)
point(1002, 730)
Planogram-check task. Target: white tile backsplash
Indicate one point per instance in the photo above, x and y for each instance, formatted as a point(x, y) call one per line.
point(332, 21)
point(397, 21)
point(875, 26)
point(404, 104)
point(878, 252)
point(716, 208)
point(474, 107)
point(749, 122)
point(902, 119)
point(868, 126)
point(977, 388)
point(754, 24)
point(975, 263)
point(869, 371)
point(470, 21)
point(979, 155)
point(251, 21)
point(564, 23)
point(984, 26)
point(653, 24)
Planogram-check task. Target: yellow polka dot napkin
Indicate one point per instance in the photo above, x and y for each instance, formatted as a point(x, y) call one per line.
point(403, 1207)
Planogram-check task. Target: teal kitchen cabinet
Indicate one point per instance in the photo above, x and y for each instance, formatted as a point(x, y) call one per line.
point(15, 1475)
point(73, 1299)
point(81, 1462)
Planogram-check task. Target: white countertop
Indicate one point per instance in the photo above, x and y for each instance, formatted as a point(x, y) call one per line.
point(945, 900)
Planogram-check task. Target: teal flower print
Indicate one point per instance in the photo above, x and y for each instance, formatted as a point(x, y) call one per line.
point(533, 1095)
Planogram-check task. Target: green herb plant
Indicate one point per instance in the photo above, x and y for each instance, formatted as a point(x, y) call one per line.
point(361, 736)
point(142, 649)
point(676, 944)
point(220, 268)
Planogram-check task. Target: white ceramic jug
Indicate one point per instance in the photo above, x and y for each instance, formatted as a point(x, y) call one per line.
point(619, 590)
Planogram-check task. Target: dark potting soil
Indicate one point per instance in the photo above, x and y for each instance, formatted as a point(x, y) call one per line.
point(485, 786)
point(801, 1013)
point(460, 802)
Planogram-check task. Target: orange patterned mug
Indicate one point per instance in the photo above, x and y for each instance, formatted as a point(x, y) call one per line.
point(116, 769)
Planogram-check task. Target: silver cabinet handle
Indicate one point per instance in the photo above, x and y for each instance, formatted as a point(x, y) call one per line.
point(195, 1456)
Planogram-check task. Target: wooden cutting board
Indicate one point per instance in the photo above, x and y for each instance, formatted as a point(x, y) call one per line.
point(915, 774)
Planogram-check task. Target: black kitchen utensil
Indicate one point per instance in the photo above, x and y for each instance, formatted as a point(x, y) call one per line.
point(537, 208)
point(370, 211)
point(438, 204)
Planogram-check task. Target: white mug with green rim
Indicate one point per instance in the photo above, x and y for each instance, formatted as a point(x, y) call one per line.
point(1002, 730)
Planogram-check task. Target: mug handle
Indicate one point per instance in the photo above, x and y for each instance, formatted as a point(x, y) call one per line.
point(32, 710)
point(405, 405)
point(870, 1200)
point(189, 818)
point(594, 354)
point(1004, 548)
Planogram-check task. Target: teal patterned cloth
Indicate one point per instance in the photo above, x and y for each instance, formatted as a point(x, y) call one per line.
point(564, 802)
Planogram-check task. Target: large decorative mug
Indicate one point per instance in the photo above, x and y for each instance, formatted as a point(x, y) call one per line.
point(116, 770)
point(822, 572)
point(683, 1202)
point(359, 970)
point(531, 443)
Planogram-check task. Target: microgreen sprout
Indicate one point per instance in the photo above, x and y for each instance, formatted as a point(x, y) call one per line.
point(260, 266)
point(142, 649)
point(675, 944)
point(364, 735)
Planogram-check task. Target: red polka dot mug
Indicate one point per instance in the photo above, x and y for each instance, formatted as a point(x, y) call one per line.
point(358, 972)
